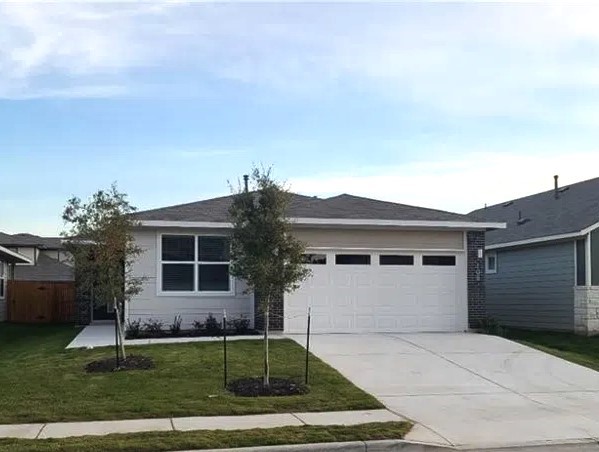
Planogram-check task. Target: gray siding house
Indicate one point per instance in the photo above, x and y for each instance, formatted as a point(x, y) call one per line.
point(542, 271)
point(47, 258)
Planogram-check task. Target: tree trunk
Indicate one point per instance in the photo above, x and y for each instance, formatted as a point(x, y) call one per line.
point(266, 380)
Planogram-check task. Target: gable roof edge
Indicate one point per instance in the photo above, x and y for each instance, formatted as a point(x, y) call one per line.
point(543, 239)
point(339, 222)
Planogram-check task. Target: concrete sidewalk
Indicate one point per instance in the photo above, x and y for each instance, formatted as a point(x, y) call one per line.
point(68, 429)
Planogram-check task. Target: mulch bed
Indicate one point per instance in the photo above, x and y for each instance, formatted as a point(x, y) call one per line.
point(253, 387)
point(133, 362)
point(188, 333)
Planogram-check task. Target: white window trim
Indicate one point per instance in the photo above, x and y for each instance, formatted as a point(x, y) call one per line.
point(488, 270)
point(195, 263)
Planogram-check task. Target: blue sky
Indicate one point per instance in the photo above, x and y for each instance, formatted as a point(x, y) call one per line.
point(442, 105)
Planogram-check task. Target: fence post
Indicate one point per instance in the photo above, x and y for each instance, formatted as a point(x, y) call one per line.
point(308, 344)
point(116, 339)
point(225, 346)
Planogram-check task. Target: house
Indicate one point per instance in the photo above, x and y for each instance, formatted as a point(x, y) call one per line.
point(377, 267)
point(542, 271)
point(47, 258)
point(43, 287)
point(8, 260)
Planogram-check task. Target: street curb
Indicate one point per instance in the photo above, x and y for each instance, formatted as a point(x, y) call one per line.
point(351, 446)
point(408, 446)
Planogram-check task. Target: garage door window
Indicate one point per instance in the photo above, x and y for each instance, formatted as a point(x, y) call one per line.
point(396, 259)
point(352, 259)
point(314, 259)
point(443, 261)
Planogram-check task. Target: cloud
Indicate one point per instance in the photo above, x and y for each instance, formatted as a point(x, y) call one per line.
point(457, 183)
point(466, 60)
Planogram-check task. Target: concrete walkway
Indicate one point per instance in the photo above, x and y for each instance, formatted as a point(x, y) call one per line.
point(469, 390)
point(102, 335)
point(68, 429)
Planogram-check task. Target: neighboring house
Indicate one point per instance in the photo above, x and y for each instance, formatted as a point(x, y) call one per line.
point(543, 269)
point(8, 260)
point(48, 260)
point(377, 266)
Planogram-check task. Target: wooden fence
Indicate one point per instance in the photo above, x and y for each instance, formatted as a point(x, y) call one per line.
point(40, 302)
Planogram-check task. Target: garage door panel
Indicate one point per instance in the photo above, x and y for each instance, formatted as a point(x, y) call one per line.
point(375, 298)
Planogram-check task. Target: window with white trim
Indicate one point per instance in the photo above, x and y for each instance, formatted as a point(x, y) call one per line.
point(3, 278)
point(195, 264)
point(490, 262)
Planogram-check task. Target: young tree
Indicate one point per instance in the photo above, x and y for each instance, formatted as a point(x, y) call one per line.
point(263, 251)
point(100, 240)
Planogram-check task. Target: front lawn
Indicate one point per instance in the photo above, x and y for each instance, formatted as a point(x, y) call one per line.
point(577, 349)
point(42, 382)
point(211, 439)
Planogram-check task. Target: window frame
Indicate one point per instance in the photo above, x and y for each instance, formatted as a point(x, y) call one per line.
point(368, 255)
point(326, 258)
point(488, 270)
point(3, 279)
point(404, 255)
point(426, 254)
point(196, 273)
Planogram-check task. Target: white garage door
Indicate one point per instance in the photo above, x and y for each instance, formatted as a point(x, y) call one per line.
point(381, 292)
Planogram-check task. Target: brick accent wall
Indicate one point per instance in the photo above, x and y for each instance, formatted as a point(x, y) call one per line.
point(476, 278)
point(277, 312)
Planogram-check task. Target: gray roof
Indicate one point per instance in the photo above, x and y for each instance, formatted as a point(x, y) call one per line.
point(9, 257)
point(50, 243)
point(338, 207)
point(576, 208)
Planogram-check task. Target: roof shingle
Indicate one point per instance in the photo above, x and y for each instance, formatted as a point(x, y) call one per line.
point(576, 208)
point(337, 207)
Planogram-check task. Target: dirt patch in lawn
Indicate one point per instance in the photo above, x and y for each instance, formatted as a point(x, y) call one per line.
point(133, 362)
point(254, 387)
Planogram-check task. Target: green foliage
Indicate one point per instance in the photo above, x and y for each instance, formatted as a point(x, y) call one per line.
point(489, 325)
point(212, 326)
point(133, 329)
point(153, 327)
point(100, 240)
point(175, 327)
point(264, 253)
point(240, 325)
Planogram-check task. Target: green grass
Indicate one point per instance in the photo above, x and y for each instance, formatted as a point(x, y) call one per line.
point(211, 439)
point(42, 382)
point(577, 349)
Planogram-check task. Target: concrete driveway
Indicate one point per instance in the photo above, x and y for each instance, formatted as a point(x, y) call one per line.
point(469, 390)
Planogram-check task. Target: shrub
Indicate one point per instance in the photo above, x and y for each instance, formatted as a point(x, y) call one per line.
point(241, 325)
point(133, 329)
point(198, 327)
point(153, 327)
point(175, 327)
point(489, 325)
point(213, 326)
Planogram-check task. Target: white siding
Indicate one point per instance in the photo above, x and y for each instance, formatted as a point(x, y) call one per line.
point(28, 252)
point(148, 304)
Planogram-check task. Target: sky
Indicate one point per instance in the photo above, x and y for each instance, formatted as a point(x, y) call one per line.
point(443, 105)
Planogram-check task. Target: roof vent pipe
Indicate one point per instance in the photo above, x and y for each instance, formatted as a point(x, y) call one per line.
point(555, 186)
point(246, 178)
